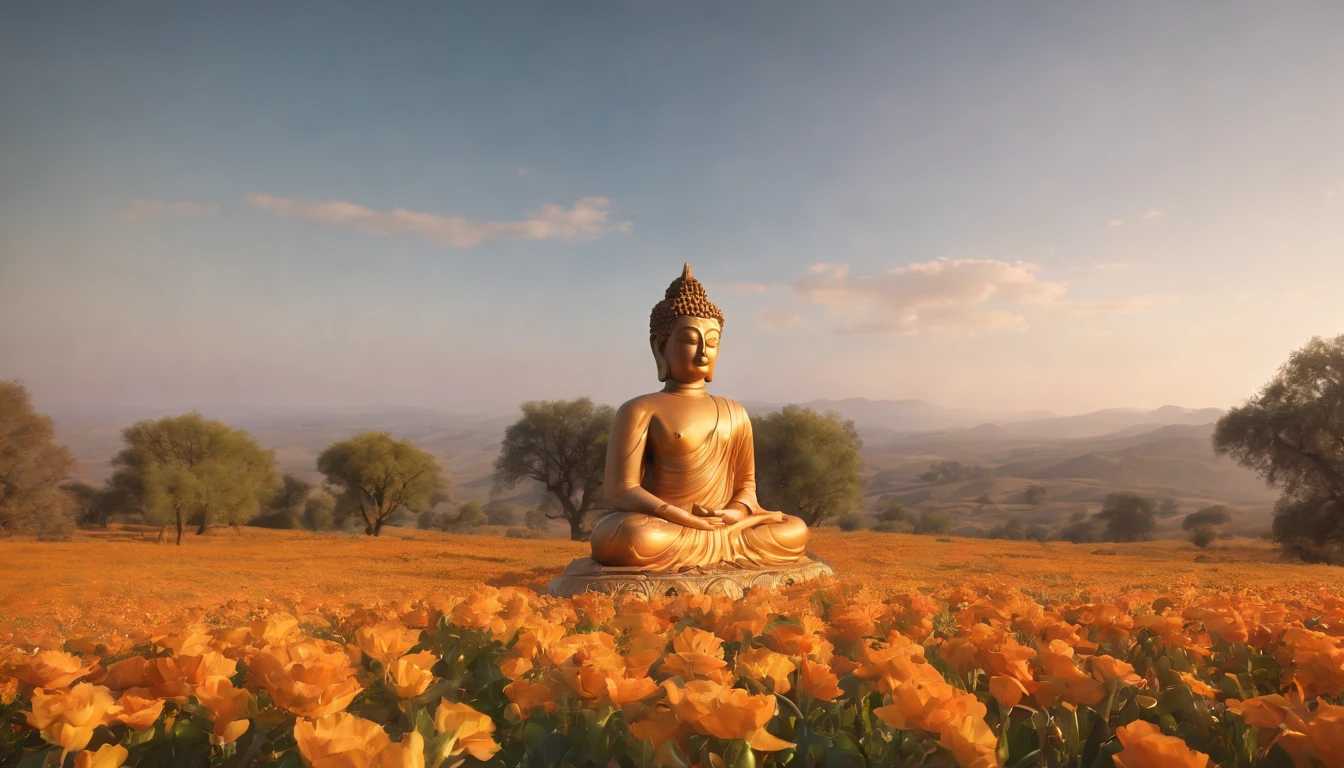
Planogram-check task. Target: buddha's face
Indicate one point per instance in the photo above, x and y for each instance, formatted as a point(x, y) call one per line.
point(691, 350)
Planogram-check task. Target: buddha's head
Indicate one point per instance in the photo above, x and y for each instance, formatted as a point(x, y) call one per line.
point(684, 331)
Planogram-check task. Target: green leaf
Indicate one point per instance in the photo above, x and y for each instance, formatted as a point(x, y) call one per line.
point(37, 759)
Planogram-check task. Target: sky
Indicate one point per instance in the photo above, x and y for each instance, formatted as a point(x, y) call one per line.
point(999, 206)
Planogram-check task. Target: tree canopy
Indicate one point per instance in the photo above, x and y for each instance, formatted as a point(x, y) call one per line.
point(1128, 516)
point(1292, 434)
point(562, 446)
point(32, 466)
point(807, 463)
point(1214, 515)
point(377, 475)
point(190, 470)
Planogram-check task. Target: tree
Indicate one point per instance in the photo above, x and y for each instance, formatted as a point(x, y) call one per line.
point(562, 446)
point(190, 470)
point(1012, 530)
point(952, 471)
point(376, 475)
point(1169, 508)
point(1079, 531)
point(1203, 535)
point(807, 463)
point(1292, 434)
point(1036, 495)
point(1128, 516)
point(1214, 515)
point(32, 466)
point(935, 523)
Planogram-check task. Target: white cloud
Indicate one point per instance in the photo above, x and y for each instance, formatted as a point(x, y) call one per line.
point(1113, 223)
point(586, 219)
point(775, 318)
point(141, 209)
point(965, 294)
point(1154, 214)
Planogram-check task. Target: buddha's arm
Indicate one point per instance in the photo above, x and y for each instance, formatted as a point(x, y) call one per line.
point(744, 487)
point(625, 467)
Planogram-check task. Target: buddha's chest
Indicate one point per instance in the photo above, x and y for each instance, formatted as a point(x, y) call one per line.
point(683, 425)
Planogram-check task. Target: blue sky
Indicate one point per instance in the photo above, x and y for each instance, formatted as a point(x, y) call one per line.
point(999, 206)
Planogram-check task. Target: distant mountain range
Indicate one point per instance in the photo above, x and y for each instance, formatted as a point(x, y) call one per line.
point(875, 417)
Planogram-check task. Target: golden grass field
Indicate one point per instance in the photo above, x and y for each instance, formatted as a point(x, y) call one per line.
point(123, 579)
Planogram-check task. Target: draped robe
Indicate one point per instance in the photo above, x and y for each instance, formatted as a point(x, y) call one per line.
point(720, 471)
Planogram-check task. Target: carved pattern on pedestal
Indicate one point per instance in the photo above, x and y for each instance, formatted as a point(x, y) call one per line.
point(586, 575)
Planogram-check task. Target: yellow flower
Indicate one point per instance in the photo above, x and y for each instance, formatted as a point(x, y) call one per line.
point(340, 740)
point(68, 717)
point(1145, 746)
point(409, 675)
point(107, 756)
point(471, 730)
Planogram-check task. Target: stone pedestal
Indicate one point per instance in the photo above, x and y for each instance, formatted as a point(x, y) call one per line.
point(587, 575)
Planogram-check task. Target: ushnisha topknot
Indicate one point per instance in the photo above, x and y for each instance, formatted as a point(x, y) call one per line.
point(685, 296)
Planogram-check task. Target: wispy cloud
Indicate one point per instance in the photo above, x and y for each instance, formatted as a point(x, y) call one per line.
point(1115, 264)
point(1113, 223)
point(1331, 192)
point(775, 318)
point(966, 294)
point(586, 219)
point(141, 209)
point(1126, 306)
point(745, 287)
point(827, 268)
point(1153, 214)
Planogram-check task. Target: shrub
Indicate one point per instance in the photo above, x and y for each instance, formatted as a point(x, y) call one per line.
point(893, 526)
point(850, 521)
point(935, 523)
point(894, 512)
point(1036, 495)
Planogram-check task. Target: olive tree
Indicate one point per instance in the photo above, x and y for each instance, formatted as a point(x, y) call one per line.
point(1292, 434)
point(562, 446)
point(32, 467)
point(197, 471)
point(377, 475)
point(807, 463)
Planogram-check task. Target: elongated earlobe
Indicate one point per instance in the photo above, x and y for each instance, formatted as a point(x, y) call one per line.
point(656, 343)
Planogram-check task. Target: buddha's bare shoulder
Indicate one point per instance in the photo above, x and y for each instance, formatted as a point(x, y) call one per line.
point(640, 406)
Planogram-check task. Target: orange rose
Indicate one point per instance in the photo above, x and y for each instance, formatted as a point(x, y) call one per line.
point(386, 641)
point(471, 730)
point(139, 708)
point(1008, 691)
point(127, 673)
point(765, 665)
point(1110, 668)
point(528, 695)
point(1145, 746)
point(728, 713)
point(107, 756)
point(339, 740)
point(817, 680)
point(696, 654)
point(68, 717)
point(312, 678)
point(52, 669)
point(409, 675)
point(226, 704)
point(407, 753)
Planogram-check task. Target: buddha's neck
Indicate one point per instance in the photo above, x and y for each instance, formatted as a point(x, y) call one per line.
point(687, 389)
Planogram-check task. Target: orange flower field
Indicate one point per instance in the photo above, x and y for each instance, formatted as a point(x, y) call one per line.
point(289, 649)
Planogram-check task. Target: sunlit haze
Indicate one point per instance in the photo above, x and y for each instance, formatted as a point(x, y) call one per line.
point(999, 206)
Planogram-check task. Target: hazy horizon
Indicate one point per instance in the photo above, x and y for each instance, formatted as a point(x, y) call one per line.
point(1007, 207)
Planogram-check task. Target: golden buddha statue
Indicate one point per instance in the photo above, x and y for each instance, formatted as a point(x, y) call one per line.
point(681, 467)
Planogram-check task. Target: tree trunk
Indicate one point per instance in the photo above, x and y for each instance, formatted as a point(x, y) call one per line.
point(378, 527)
point(179, 528)
point(576, 532)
